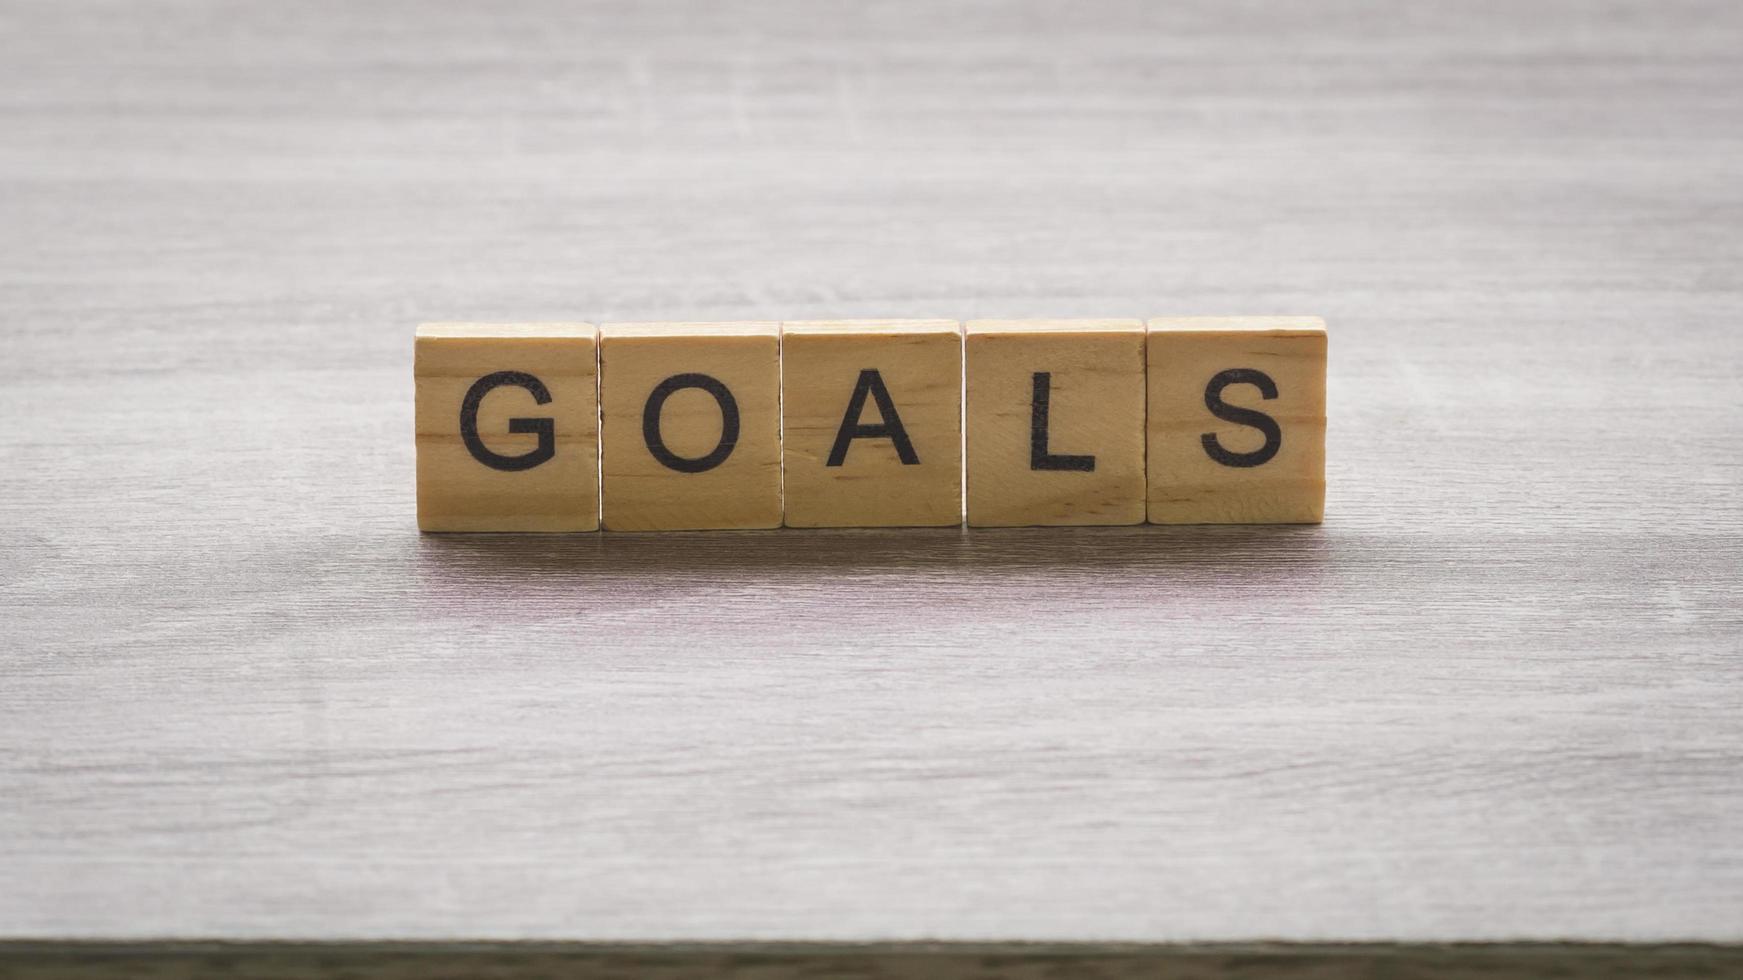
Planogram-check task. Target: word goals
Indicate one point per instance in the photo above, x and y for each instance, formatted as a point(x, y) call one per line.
point(870, 423)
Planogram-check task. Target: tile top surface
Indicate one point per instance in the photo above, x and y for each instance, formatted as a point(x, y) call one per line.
point(504, 331)
point(1297, 324)
point(731, 328)
point(851, 327)
point(1054, 326)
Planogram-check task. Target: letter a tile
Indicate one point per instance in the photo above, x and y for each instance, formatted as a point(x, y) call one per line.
point(873, 422)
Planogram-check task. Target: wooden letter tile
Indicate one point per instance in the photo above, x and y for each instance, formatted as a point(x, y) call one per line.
point(691, 425)
point(507, 427)
point(1237, 420)
point(873, 422)
point(1055, 422)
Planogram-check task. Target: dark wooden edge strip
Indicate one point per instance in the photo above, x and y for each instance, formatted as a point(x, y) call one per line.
point(907, 961)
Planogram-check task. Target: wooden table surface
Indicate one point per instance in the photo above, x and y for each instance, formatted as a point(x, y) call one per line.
point(1499, 694)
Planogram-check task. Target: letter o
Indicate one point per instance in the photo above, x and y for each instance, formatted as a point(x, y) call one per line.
point(728, 423)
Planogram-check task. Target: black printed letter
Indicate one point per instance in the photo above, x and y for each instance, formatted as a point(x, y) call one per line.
point(728, 423)
point(1039, 457)
point(1213, 400)
point(545, 428)
point(889, 428)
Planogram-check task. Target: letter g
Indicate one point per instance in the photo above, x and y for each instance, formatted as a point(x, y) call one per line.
point(545, 428)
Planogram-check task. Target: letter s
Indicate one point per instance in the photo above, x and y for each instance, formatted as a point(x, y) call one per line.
point(1213, 400)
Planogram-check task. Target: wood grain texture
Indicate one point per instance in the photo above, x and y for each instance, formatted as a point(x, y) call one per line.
point(706, 397)
point(1499, 694)
point(533, 464)
point(1234, 420)
point(893, 390)
point(1053, 422)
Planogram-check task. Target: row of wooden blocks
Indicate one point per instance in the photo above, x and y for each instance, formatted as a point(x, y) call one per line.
point(869, 423)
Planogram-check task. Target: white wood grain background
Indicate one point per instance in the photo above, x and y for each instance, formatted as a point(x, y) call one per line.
point(1499, 694)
